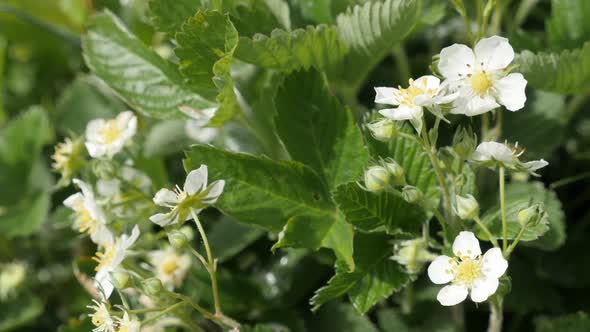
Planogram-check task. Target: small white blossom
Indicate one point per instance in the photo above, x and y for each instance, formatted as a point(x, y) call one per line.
point(481, 78)
point(110, 258)
point(90, 217)
point(105, 138)
point(111, 190)
point(491, 154)
point(425, 91)
point(127, 324)
point(467, 272)
point(171, 267)
point(101, 317)
point(413, 254)
point(12, 276)
point(195, 195)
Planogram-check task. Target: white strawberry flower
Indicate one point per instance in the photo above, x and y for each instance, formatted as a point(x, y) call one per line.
point(492, 154)
point(481, 78)
point(128, 324)
point(425, 91)
point(90, 217)
point(171, 267)
point(195, 195)
point(468, 272)
point(110, 258)
point(105, 138)
point(101, 317)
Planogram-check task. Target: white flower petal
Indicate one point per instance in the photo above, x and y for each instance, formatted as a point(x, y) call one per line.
point(129, 241)
point(483, 288)
point(95, 150)
point(166, 197)
point(85, 187)
point(466, 244)
point(196, 180)
point(470, 104)
point(108, 188)
point(103, 283)
point(535, 164)
point(215, 190)
point(93, 130)
point(386, 96)
point(493, 264)
point(164, 219)
point(511, 91)
point(74, 200)
point(488, 151)
point(494, 52)
point(454, 60)
point(102, 236)
point(439, 270)
point(452, 295)
point(403, 112)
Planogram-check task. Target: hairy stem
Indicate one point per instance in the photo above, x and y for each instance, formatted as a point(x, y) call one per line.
point(503, 210)
point(487, 231)
point(496, 316)
point(514, 243)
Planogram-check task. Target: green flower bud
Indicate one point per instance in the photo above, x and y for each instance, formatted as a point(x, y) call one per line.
point(383, 130)
point(412, 194)
point(464, 142)
point(467, 207)
point(531, 216)
point(377, 179)
point(153, 286)
point(120, 278)
point(177, 239)
point(188, 232)
point(399, 176)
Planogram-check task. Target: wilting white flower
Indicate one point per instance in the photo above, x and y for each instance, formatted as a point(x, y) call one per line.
point(110, 258)
point(67, 159)
point(426, 91)
point(413, 254)
point(171, 267)
point(128, 324)
point(491, 154)
point(12, 276)
point(101, 317)
point(90, 218)
point(195, 195)
point(105, 138)
point(467, 272)
point(481, 78)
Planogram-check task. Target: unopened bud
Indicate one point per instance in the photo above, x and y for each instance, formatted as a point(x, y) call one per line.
point(383, 130)
point(120, 278)
point(188, 232)
point(177, 239)
point(464, 142)
point(413, 254)
point(531, 216)
point(377, 179)
point(399, 176)
point(412, 194)
point(467, 207)
point(153, 286)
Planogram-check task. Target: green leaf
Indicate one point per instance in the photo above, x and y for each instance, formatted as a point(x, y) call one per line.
point(258, 16)
point(168, 15)
point(375, 277)
point(549, 234)
point(317, 47)
point(207, 42)
point(317, 11)
point(26, 217)
point(340, 317)
point(317, 130)
point(165, 138)
point(579, 322)
point(540, 127)
point(83, 101)
point(372, 212)
point(264, 328)
point(268, 193)
point(567, 72)
point(229, 237)
point(261, 191)
point(370, 32)
point(20, 311)
point(141, 77)
point(568, 26)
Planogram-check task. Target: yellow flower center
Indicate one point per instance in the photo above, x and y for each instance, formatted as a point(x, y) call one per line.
point(480, 83)
point(84, 219)
point(99, 318)
point(110, 132)
point(467, 271)
point(105, 258)
point(169, 266)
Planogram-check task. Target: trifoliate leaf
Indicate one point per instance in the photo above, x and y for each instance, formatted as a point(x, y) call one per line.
point(375, 277)
point(567, 72)
point(141, 77)
point(316, 47)
point(317, 130)
point(207, 42)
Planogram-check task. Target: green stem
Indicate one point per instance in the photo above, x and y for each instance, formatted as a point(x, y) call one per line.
point(403, 64)
point(497, 18)
point(503, 209)
point(514, 243)
point(496, 315)
point(460, 8)
point(162, 313)
point(145, 310)
point(574, 105)
point(211, 263)
point(408, 301)
point(523, 11)
point(487, 231)
point(199, 256)
point(485, 125)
